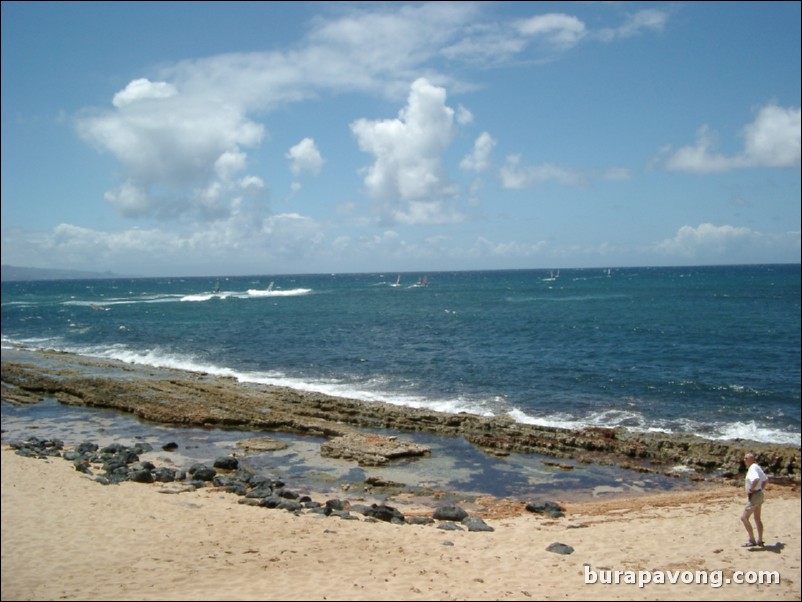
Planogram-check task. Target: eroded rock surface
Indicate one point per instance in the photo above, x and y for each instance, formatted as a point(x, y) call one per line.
point(371, 450)
point(195, 399)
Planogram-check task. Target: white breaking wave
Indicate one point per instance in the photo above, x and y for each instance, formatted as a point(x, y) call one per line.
point(269, 292)
point(753, 432)
point(636, 422)
point(191, 297)
point(632, 420)
point(204, 297)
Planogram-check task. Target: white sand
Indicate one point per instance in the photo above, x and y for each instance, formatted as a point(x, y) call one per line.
point(65, 537)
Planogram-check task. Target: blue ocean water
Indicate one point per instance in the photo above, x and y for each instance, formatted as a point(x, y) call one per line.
point(713, 351)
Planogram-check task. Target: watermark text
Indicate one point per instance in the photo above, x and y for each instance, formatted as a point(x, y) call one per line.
point(714, 579)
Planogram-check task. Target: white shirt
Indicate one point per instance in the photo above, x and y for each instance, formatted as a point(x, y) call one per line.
point(755, 473)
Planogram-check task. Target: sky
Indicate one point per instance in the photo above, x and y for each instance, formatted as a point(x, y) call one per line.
point(244, 138)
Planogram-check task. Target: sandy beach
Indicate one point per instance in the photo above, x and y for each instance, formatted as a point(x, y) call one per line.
point(66, 537)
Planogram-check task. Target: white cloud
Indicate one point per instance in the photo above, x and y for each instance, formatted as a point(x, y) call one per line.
point(708, 243)
point(617, 173)
point(251, 182)
point(143, 89)
point(495, 42)
point(390, 46)
point(486, 44)
point(129, 200)
point(464, 116)
point(635, 24)
point(771, 140)
point(708, 237)
point(484, 247)
point(479, 160)
point(557, 29)
point(292, 236)
point(305, 157)
point(170, 147)
point(238, 242)
point(193, 123)
point(699, 158)
point(230, 163)
point(406, 177)
point(517, 176)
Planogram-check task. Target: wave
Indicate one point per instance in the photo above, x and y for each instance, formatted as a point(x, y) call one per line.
point(205, 297)
point(125, 300)
point(382, 390)
point(270, 292)
point(637, 422)
point(187, 297)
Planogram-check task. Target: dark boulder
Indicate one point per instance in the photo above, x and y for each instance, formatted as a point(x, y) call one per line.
point(453, 513)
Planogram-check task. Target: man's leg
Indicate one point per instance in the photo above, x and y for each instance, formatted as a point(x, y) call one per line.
point(745, 520)
point(759, 523)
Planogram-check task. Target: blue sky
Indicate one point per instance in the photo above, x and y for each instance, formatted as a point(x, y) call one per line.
point(205, 138)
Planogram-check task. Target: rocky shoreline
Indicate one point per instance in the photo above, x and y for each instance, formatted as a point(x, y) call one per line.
point(175, 397)
point(116, 463)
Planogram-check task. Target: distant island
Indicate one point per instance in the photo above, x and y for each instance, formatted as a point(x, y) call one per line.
point(10, 273)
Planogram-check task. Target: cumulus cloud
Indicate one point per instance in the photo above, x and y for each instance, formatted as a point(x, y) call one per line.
point(229, 164)
point(407, 178)
point(130, 200)
point(709, 243)
point(251, 182)
point(771, 140)
point(183, 136)
point(197, 248)
point(480, 158)
point(143, 89)
point(193, 122)
point(304, 157)
point(292, 235)
point(464, 116)
point(171, 147)
point(689, 240)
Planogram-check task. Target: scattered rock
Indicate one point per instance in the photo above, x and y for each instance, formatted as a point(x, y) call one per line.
point(122, 463)
point(226, 463)
point(452, 513)
point(475, 524)
point(552, 509)
point(560, 548)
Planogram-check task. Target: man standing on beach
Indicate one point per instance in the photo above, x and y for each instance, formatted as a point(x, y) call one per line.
point(755, 482)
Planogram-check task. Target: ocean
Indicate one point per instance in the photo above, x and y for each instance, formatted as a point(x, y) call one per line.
point(712, 351)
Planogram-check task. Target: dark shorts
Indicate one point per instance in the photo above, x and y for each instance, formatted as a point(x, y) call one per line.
point(755, 500)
